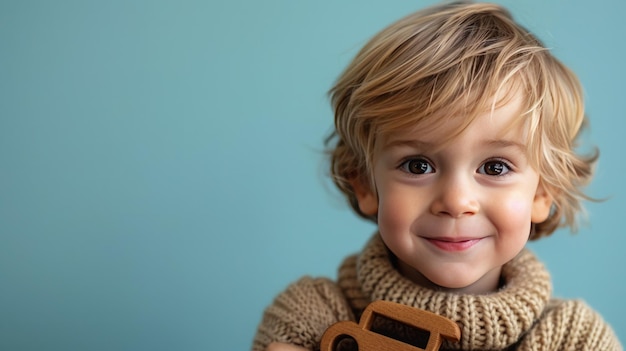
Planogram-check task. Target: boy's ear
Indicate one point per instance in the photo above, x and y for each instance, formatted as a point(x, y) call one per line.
point(368, 201)
point(542, 203)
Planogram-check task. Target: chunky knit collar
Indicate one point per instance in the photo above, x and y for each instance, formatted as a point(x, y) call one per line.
point(488, 322)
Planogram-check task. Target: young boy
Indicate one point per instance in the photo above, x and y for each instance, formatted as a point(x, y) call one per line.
point(455, 132)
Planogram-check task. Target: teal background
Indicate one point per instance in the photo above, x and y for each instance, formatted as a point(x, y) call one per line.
point(161, 167)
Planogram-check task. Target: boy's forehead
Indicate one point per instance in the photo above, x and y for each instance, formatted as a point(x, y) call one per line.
point(502, 122)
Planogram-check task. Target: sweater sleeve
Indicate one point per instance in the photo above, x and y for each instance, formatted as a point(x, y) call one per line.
point(571, 325)
point(302, 313)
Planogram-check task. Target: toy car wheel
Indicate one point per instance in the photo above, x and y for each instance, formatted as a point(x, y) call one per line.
point(345, 343)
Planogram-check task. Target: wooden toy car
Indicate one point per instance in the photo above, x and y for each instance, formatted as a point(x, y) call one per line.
point(434, 326)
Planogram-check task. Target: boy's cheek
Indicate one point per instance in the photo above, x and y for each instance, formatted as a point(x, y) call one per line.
point(395, 213)
point(516, 208)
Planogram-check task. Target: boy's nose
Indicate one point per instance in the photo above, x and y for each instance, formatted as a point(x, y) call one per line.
point(455, 198)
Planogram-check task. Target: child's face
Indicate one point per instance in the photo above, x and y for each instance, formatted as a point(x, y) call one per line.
point(454, 216)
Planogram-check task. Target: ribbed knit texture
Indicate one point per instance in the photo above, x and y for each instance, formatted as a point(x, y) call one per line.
point(520, 316)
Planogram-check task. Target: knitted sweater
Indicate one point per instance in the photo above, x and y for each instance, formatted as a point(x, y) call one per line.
point(520, 316)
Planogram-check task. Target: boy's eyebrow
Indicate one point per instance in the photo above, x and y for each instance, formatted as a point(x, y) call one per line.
point(504, 143)
point(417, 144)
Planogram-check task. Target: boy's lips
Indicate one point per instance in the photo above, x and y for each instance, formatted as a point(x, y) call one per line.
point(453, 244)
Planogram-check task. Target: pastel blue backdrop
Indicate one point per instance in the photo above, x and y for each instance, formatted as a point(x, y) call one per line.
point(161, 166)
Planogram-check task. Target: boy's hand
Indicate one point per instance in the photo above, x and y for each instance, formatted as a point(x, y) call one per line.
point(279, 346)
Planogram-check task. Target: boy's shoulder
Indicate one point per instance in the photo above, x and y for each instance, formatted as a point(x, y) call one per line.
point(302, 313)
point(572, 325)
point(312, 292)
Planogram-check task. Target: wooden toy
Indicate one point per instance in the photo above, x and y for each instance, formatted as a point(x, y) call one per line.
point(433, 326)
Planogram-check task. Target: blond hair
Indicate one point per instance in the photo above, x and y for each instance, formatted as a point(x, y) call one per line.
point(452, 60)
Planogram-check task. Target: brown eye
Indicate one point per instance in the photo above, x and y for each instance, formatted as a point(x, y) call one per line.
point(494, 168)
point(417, 166)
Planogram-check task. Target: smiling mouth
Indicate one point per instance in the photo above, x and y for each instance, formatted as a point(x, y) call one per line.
point(453, 245)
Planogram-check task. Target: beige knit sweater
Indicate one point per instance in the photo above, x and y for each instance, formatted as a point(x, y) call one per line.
point(520, 316)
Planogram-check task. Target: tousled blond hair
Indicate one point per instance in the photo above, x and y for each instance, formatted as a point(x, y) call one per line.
point(452, 60)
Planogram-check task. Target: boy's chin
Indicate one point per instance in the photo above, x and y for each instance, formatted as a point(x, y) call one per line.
point(485, 284)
